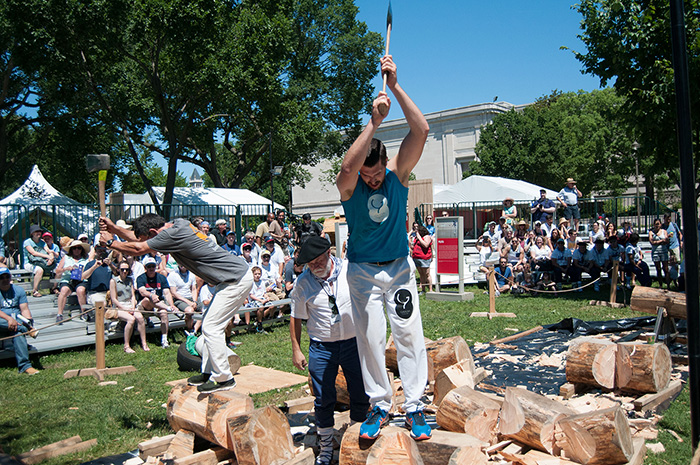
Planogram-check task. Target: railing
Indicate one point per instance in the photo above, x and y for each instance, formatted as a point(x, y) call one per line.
point(640, 212)
point(74, 219)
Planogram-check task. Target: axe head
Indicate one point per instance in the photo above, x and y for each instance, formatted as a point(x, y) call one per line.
point(97, 162)
point(389, 16)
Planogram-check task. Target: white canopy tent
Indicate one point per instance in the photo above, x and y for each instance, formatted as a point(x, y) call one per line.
point(36, 194)
point(490, 189)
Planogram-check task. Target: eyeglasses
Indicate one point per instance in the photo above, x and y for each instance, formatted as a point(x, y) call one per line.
point(333, 305)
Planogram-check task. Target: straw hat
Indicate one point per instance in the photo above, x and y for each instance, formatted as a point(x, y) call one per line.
point(65, 240)
point(76, 243)
point(522, 223)
point(563, 220)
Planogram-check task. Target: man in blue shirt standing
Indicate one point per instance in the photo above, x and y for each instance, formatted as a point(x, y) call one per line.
point(568, 197)
point(374, 193)
point(14, 304)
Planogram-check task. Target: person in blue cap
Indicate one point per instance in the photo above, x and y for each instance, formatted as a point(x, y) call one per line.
point(15, 309)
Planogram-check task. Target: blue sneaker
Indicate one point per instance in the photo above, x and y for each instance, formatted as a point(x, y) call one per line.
point(419, 428)
point(375, 420)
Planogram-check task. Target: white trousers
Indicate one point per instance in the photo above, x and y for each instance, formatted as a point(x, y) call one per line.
point(226, 300)
point(372, 289)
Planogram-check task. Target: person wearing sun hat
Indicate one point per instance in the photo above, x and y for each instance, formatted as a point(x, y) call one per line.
point(37, 258)
point(568, 198)
point(322, 297)
point(70, 273)
point(14, 303)
point(510, 211)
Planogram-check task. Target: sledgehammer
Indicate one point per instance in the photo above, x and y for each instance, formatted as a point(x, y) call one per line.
point(99, 162)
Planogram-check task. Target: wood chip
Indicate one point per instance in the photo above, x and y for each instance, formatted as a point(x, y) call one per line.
point(656, 447)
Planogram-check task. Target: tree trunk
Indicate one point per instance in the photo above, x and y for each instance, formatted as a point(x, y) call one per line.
point(529, 418)
point(459, 374)
point(647, 299)
point(464, 410)
point(261, 437)
point(643, 367)
point(591, 361)
point(448, 351)
point(597, 437)
point(435, 451)
point(205, 414)
point(394, 448)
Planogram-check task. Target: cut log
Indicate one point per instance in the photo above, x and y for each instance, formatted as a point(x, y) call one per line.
point(660, 400)
point(643, 367)
point(597, 437)
point(435, 451)
point(459, 374)
point(205, 414)
point(261, 437)
point(591, 361)
point(464, 410)
point(529, 418)
point(391, 362)
point(302, 404)
point(305, 457)
point(182, 445)
point(448, 351)
point(647, 299)
point(472, 455)
point(155, 446)
point(394, 448)
point(206, 457)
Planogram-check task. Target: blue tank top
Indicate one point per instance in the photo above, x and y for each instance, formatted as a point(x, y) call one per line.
point(377, 221)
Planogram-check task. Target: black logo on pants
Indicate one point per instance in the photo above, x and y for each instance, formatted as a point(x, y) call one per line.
point(404, 303)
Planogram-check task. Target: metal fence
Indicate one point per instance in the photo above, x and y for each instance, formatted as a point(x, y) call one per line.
point(639, 211)
point(74, 219)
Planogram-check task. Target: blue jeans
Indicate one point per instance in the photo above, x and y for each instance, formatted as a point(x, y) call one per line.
point(19, 344)
point(324, 360)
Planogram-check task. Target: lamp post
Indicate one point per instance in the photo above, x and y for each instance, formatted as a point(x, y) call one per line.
point(635, 147)
point(274, 171)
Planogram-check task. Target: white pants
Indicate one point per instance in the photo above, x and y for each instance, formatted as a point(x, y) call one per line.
point(392, 286)
point(226, 300)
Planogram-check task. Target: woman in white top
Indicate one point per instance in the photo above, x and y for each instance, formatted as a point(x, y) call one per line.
point(595, 233)
point(483, 245)
point(540, 255)
point(121, 291)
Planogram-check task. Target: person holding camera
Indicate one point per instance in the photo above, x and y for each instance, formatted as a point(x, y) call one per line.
point(568, 198)
point(542, 207)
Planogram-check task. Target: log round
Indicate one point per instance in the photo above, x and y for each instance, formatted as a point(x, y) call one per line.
point(528, 418)
point(643, 367)
point(261, 437)
point(591, 361)
point(596, 438)
point(394, 448)
point(449, 351)
point(464, 410)
point(205, 414)
point(454, 376)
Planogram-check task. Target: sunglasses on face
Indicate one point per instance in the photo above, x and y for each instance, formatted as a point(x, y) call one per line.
point(124, 269)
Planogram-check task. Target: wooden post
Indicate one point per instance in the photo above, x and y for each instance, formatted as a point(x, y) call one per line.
point(613, 283)
point(492, 291)
point(100, 335)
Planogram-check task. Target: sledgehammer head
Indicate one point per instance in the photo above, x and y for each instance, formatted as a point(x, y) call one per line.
point(97, 162)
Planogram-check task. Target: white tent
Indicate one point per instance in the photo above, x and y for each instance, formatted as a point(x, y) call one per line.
point(70, 216)
point(490, 189)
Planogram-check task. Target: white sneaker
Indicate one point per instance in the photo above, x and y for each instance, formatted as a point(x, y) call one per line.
point(497, 292)
point(164, 342)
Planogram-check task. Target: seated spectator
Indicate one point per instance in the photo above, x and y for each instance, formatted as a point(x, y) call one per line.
point(610, 230)
point(230, 245)
point(255, 249)
point(137, 268)
point(205, 227)
point(635, 267)
point(183, 289)
point(500, 228)
point(307, 228)
point(572, 240)
point(510, 211)
point(546, 284)
point(258, 298)
point(205, 293)
point(271, 278)
point(540, 255)
point(97, 274)
point(616, 254)
point(564, 227)
point(70, 271)
point(595, 233)
point(537, 229)
point(515, 255)
point(551, 241)
point(276, 255)
point(37, 258)
point(84, 238)
point(524, 281)
point(548, 225)
point(579, 264)
point(504, 276)
point(483, 245)
point(287, 249)
point(121, 290)
point(504, 241)
point(247, 256)
point(291, 271)
point(624, 233)
point(561, 262)
point(220, 232)
point(492, 233)
point(154, 291)
point(521, 230)
point(14, 304)
point(599, 262)
point(54, 250)
point(529, 242)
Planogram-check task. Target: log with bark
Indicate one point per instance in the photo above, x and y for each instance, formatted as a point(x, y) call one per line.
point(261, 437)
point(648, 299)
point(597, 437)
point(205, 414)
point(448, 351)
point(591, 361)
point(643, 367)
point(464, 410)
point(459, 374)
point(391, 362)
point(529, 418)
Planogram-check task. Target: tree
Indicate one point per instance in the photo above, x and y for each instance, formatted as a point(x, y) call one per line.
point(629, 44)
point(178, 77)
point(561, 135)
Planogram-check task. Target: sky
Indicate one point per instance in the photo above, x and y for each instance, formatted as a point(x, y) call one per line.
point(455, 53)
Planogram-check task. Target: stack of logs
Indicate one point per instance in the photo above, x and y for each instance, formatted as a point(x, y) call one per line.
point(475, 427)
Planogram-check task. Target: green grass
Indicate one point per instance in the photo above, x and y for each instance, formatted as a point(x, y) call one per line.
point(45, 408)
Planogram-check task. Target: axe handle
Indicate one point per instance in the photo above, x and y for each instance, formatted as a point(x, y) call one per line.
point(383, 108)
point(102, 181)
